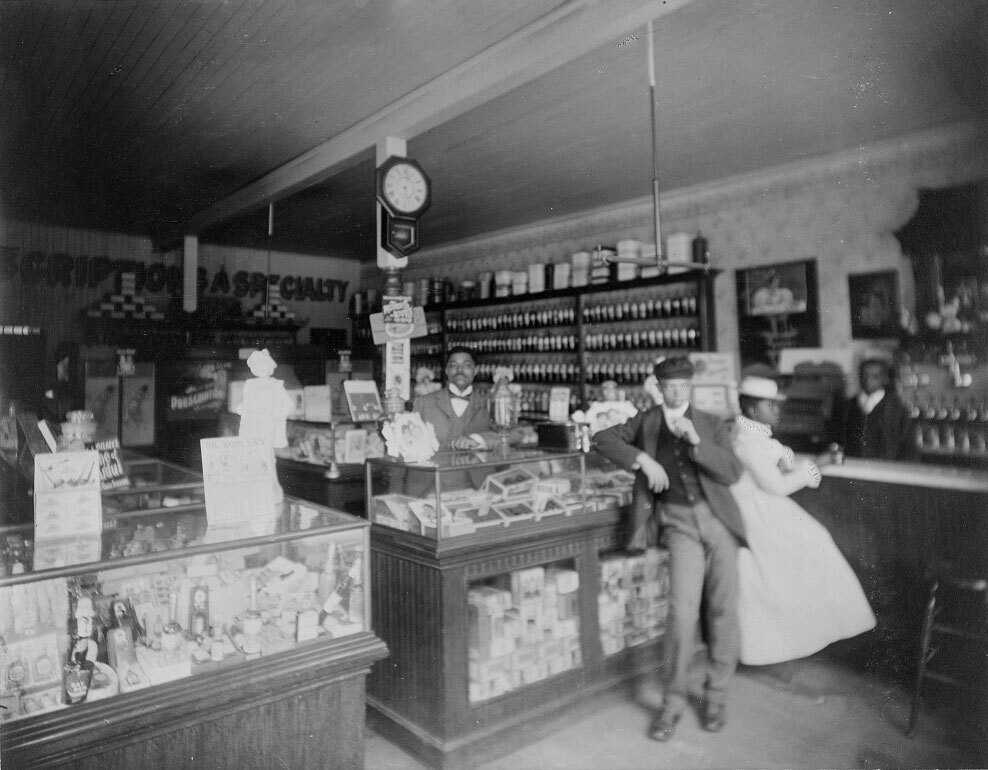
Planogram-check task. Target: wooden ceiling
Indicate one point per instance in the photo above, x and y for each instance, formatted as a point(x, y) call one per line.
point(153, 116)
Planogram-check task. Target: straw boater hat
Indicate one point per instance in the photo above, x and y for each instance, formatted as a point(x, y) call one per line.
point(760, 387)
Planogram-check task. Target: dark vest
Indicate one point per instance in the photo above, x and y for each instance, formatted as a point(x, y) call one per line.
point(684, 480)
point(458, 424)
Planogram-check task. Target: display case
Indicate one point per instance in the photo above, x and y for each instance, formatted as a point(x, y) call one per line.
point(459, 495)
point(188, 622)
point(511, 621)
point(153, 486)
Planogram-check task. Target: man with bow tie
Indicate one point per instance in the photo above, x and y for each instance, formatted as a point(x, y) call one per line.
point(458, 414)
point(684, 466)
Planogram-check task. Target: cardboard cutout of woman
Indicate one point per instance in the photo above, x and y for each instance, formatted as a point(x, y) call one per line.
point(264, 409)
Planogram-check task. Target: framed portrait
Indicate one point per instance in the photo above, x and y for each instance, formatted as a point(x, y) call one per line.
point(777, 309)
point(874, 303)
point(774, 289)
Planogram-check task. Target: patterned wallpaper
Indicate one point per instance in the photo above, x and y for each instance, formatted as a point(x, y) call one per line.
point(841, 210)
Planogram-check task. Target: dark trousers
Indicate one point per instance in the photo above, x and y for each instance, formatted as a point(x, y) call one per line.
point(702, 567)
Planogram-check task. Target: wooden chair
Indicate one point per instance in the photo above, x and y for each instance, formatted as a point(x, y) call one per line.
point(953, 645)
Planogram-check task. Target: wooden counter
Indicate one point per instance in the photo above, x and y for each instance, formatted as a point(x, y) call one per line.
point(893, 521)
point(419, 695)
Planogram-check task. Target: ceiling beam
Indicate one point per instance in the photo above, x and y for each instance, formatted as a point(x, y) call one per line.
point(572, 30)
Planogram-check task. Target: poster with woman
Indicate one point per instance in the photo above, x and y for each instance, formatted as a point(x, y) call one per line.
point(777, 309)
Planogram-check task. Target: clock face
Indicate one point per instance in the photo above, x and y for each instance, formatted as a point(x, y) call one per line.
point(405, 188)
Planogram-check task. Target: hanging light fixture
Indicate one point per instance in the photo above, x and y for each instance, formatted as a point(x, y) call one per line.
point(658, 259)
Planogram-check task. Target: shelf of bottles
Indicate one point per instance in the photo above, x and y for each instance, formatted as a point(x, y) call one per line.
point(950, 423)
point(429, 351)
point(948, 427)
point(583, 336)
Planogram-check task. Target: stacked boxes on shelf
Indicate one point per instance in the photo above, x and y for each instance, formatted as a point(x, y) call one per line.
point(126, 304)
point(632, 604)
point(523, 629)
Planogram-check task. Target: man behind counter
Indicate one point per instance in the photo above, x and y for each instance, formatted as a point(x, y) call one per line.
point(876, 423)
point(458, 414)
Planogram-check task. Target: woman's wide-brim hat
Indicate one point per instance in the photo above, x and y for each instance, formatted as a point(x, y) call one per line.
point(760, 387)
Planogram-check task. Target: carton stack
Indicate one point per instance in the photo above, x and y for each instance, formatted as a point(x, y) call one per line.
point(126, 304)
point(632, 604)
point(274, 309)
point(524, 632)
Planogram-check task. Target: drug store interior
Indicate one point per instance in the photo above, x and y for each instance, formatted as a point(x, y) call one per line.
point(202, 202)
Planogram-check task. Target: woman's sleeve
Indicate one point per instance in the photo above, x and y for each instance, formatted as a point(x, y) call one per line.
point(764, 469)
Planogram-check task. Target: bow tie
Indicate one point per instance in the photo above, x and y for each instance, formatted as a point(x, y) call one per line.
point(464, 396)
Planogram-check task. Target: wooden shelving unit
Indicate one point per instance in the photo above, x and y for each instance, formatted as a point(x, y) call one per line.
point(597, 337)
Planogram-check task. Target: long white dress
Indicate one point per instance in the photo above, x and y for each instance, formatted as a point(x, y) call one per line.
point(797, 592)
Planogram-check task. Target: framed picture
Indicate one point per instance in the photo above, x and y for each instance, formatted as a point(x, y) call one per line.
point(874, 303)
point(777, 309)
point(774, 289)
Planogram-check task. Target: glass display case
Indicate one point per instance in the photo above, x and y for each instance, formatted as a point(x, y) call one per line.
point(480, 492)
point(523, 611)
point(173, 597)
point(153, 485)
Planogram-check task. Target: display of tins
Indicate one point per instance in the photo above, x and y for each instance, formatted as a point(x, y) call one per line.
point(485, 281)
point(502, 283)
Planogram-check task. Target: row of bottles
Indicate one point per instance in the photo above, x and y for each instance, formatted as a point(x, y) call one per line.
point(424, 349)
point(528, 371)
point(499, 320)
point(532, 343)
point(631, 310)
point(536, 401)
point(675, 337)
point(621, 371)
point(943, 425)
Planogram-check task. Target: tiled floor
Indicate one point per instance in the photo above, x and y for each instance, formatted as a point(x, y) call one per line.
point(815, 713)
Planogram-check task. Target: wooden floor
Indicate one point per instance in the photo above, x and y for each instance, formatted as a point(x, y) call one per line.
point(815, 713)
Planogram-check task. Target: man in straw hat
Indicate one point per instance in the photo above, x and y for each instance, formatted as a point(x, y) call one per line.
point(684, 465)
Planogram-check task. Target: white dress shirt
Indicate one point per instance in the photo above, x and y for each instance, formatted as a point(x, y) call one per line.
point(459, 399)
point(869, 402)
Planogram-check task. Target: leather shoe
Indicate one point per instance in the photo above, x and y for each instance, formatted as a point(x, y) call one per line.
point(714, 717)
point(663, 726)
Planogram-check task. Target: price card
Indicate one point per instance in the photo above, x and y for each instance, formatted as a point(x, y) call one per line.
point(111, 471)
point(238, 479)
point(67, 500)
point(396, 325)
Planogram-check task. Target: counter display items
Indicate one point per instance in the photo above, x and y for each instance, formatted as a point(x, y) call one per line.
point(523, 627)
point(513, 488)
point(132, 629)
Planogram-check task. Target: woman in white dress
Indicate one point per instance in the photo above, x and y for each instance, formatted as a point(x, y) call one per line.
point(797, 592)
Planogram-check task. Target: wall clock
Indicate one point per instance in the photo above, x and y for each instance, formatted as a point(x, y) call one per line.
point(403, 188)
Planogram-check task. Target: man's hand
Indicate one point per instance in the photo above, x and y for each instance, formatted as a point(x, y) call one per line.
point(658, 479)
point(684, 429)
point(465, 442)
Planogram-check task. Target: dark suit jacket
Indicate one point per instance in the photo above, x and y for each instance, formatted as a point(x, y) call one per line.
point(885, 434)
point(435, 408)
point(717, 465)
